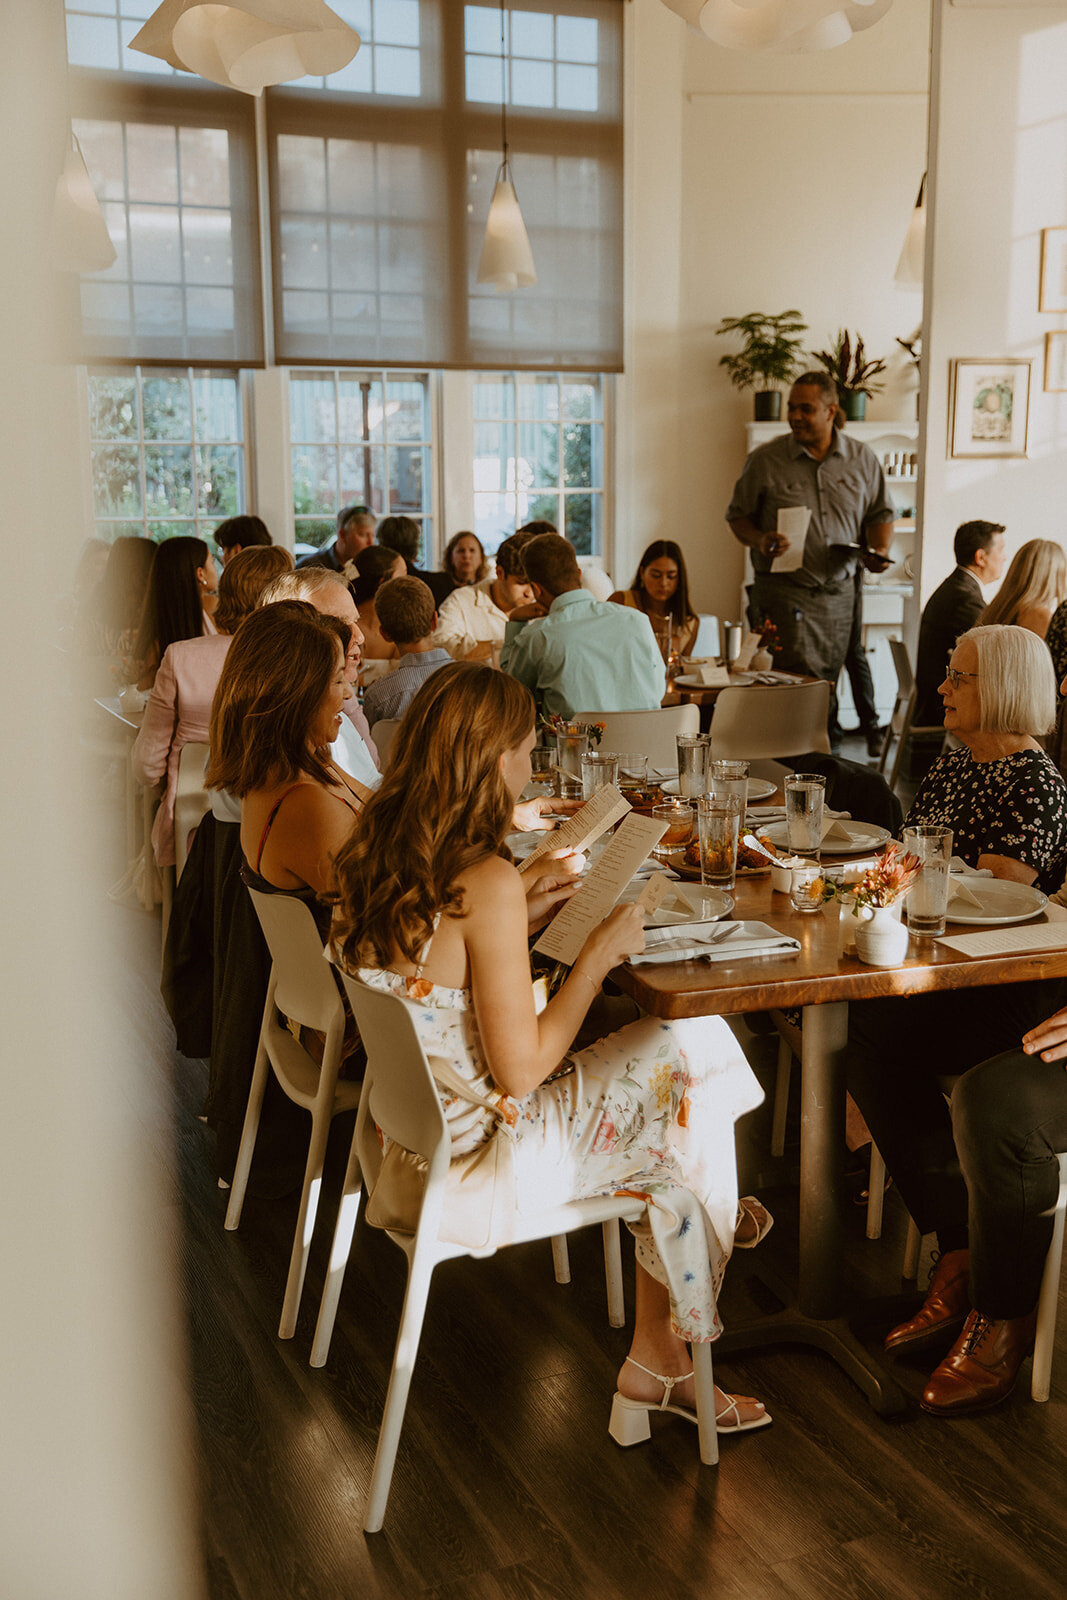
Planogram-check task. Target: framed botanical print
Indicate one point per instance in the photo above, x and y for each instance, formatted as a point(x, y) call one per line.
point(990, 407)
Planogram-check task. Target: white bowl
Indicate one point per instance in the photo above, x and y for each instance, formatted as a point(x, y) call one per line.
point(782, 872)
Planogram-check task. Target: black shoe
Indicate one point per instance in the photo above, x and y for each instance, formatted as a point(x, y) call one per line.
point(875, 738)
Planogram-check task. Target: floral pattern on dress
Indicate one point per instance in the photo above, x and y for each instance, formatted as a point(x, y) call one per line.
point(648, 1111)
point(1016, 806)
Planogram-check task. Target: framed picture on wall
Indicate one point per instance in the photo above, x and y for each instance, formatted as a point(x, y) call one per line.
point(1053, 292)
point(990, 407)
point(1056, 362)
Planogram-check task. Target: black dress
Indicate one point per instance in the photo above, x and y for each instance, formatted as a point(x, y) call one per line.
point(1015, 806)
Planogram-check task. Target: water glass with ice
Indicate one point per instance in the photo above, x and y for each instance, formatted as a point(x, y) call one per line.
point(805, 795)
point(693, 751)
point(927, 902)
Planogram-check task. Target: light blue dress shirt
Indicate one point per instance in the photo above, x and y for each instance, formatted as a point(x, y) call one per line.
point(586, 655)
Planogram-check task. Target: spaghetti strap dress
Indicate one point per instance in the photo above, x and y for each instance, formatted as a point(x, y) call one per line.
point(649, 1111)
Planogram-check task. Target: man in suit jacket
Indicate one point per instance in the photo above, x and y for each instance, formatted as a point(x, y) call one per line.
point(954, 607)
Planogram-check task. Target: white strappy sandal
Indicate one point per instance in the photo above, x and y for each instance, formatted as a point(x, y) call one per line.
point(629, 1418)
point(753, 1211)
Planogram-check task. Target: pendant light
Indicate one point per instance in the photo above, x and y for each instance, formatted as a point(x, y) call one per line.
point(780, 25)
point(506, 260)
point(909, 273)
point(81, 242)
point(249, 44)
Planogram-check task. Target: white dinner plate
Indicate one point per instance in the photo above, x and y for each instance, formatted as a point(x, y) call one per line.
point(758, 788)
point(863, 836)
point(1002, 902)
point(693, 680)
point(705, 905)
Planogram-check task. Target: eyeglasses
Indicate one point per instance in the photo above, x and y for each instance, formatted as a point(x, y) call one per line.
point(956, 678)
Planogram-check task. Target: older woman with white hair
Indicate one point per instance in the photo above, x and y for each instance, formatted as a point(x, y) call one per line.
point(1000, 793)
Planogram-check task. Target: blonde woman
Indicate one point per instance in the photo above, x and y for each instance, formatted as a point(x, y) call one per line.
point(1033, 587)
point(432, 909)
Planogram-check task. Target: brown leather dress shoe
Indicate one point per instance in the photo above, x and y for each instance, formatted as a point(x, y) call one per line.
point(981, 1368)
point(945, 1308)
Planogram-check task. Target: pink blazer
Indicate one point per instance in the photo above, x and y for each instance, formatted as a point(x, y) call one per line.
point(178, 712)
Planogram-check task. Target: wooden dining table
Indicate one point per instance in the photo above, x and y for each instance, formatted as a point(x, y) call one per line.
point(821, 980)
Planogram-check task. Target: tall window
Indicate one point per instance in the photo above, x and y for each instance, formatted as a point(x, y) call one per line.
point(360, 438)
point(539, 456)
point(167, 452)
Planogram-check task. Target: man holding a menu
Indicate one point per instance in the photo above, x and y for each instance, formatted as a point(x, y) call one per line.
point(811, 505)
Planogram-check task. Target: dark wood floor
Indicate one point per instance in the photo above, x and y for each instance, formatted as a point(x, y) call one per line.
point(507, 1484)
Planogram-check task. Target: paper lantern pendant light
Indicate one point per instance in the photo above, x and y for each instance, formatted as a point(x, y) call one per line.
point(80, 240)
point(780, 25)
point(506, 260)
point(249, 44)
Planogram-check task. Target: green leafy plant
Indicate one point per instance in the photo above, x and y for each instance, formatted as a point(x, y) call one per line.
point(847, 364)
point(771, 350)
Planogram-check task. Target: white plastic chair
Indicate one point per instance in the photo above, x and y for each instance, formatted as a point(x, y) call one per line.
point(302, 986)
point(384, 733)
point(654, 732)
point(191, 799)
point(400, 1098)
point(759, 721)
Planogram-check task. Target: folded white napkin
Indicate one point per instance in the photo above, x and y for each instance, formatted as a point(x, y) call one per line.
point(834, 831)
point(713, 677)
point(959, 869)
point(752, 939)
point(959, 894)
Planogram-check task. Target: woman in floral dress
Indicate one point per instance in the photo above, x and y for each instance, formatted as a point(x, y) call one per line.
point(432, 908)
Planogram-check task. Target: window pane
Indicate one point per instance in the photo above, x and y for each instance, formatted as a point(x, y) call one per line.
point(494, 466)
point(538, 465)
point(576, 88)
point(581, 401)
point(171, 529)
point(217, 468)
point(576, 39)
point(531, 34)
point(116, 481)
point(205, 167)
point(396, 22)
point(217, 416)
point(494, 519)
point(208, 246)
point(494, 397)
point(363, 477)
point(113, 408)
point(166, 408)
point(315, 531)
point(531, 83)
point(151, 162)
point(314, 479)
point(396, 71)
point(406, 479)
point(482, 29)
point(312, 409)
point(362, 413)
point(582, 465)
point(93, 42)
point(539, 508)
point(538, 397)
point(483, 80)
point(583, 526)
point(407, 411)
point(155, 245)
point(168, 472)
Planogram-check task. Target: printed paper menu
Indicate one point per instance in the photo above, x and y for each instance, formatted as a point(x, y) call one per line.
point(565, 935)
point(597, 815)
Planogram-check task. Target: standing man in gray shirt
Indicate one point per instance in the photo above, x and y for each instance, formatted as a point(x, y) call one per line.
point(842, 484)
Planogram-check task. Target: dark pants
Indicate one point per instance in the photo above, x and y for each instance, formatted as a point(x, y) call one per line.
point(858, 668)
point(814, 625)
point(1006, 1113)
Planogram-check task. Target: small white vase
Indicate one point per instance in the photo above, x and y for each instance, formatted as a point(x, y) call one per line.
point(762, 661)
point(882, 940)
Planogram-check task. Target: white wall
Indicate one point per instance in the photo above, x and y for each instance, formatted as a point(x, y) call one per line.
point(999, 175)
point(797, 178)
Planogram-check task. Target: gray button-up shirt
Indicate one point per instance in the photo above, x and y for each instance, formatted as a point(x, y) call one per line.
point(845, 492)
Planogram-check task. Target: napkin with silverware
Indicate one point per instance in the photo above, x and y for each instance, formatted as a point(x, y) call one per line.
point(727, 941)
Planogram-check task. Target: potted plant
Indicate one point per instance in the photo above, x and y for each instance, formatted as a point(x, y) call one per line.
point(847, 364)
point(769, 355)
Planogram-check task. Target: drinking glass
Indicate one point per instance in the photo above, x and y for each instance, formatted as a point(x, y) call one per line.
point(542, 769)
point(720, 824)
point(927, 902)
point(729, 777)
point(805, 794)
point(597, 772)
point(693, 751)
point(570, 748)
point(633, 769)
point(806, 889)
point(679, 819)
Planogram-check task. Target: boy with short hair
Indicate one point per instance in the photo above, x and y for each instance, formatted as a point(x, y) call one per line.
point(407, 618)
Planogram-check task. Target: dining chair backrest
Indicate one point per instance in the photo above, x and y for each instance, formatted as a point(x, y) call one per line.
point(191, 799)
point(765, 721)
point(398, 1087)
point(304, 988)
point(384, 735)
point(902, 667)
point(654, 732)
point(708, 640)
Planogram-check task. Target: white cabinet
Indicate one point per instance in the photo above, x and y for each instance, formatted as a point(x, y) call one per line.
point(896, 444)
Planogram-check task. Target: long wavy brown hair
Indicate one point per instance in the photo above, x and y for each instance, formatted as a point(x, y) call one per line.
point(442, 807)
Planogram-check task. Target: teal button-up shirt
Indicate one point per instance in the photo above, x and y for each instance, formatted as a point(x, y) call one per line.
point(586, 655)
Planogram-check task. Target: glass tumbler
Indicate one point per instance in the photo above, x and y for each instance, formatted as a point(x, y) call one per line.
point(542, 769)
point(805, 795)
point(693, 751)
point(598, 771)
point(679, 828)
point(807, 890)
point(927, 900)
point(720, 824)
point(633, 770)
point(729, 777)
